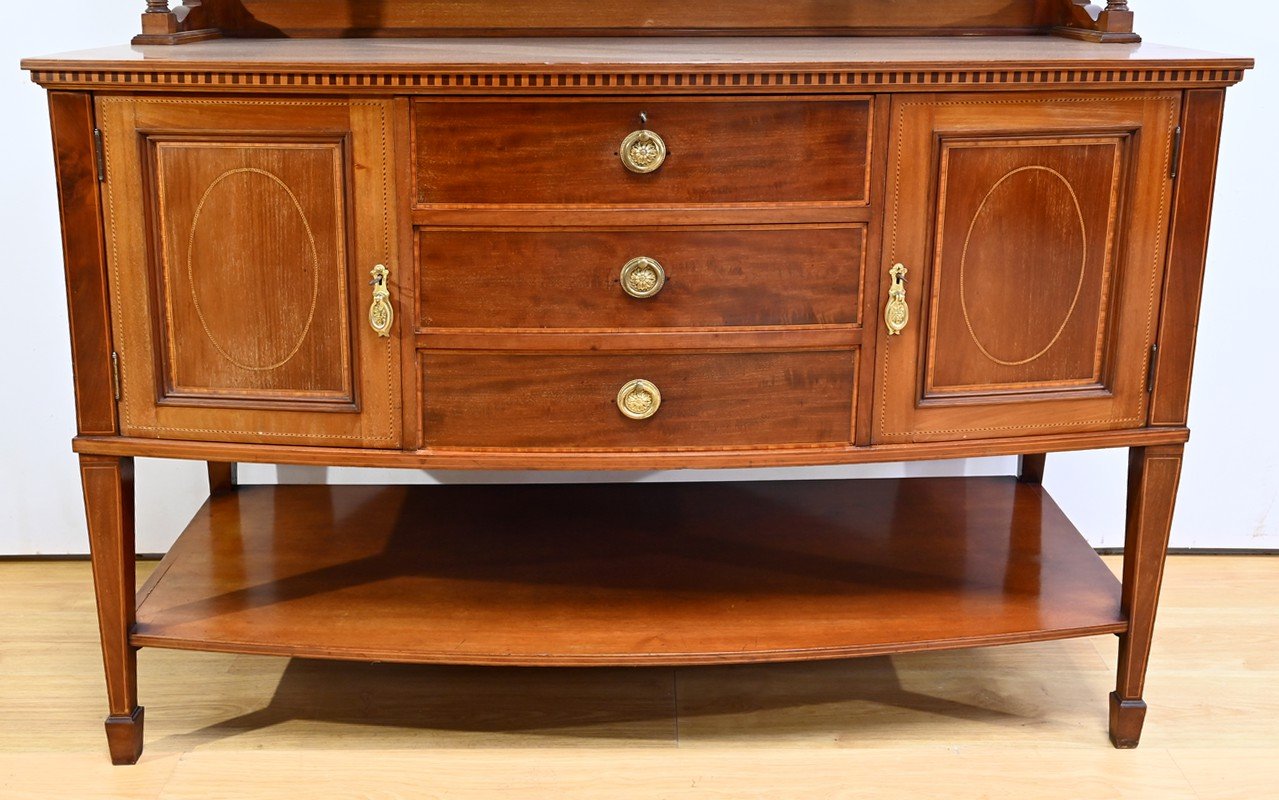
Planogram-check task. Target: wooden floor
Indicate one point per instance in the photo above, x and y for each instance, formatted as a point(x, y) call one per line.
point(1027, 721)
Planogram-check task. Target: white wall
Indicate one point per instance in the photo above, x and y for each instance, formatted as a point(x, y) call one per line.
point(1230, 486)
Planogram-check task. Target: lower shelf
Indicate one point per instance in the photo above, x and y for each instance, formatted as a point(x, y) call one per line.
point(655, 574)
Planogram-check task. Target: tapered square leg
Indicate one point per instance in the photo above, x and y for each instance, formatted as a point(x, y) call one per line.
point(108, 504)
point(1153, 474)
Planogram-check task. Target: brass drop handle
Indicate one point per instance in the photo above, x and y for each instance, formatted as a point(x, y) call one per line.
point(639, 399)
point(643, 151)
point(897, 313)
point(381, 314)
point(643, 277)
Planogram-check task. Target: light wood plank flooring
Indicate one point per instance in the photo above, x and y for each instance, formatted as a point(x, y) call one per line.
point(1025, 721)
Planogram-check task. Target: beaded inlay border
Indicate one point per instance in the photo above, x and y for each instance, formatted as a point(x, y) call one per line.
point(614, 81)
point(121, 325)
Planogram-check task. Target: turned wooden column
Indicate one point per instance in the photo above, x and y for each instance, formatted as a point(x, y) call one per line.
point(187, 23)
point(157, 20)
point(1083, 19)
point(1116, 18)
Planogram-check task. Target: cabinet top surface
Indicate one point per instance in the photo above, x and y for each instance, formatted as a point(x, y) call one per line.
point(602, 54)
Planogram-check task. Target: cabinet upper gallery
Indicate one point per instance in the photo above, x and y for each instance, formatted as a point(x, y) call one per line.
point(816, 236)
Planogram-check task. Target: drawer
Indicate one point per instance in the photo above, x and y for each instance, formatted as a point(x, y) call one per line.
point(676, 277)
point(571, 401)
point(718, 151)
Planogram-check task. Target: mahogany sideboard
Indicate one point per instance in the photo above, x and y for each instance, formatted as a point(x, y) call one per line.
point(597, 235)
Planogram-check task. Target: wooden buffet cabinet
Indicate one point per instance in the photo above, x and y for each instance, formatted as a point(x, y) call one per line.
point(597, 235)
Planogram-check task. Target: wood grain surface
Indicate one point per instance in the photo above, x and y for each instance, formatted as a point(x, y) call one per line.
point(522, 400)
point(538, 278)
point(735, 66)
point(573, 460)
point(585, 55)
point(240, 236)
point(1202, 114)
point(328, 19)
point(650, 574)
point(564, 152)
point(995, 343)
point(80, 206)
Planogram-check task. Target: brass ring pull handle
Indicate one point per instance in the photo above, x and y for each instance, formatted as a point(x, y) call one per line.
point(643, 277)
point(639, 399)
point(643, 151)
point(381, 314)
point(897, 313)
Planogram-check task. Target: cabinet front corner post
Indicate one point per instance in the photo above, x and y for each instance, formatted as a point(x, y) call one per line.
point(108, 502)
point(1153, 474)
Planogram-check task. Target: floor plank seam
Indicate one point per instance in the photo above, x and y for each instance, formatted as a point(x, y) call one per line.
point(1194, 790)
point(675, 702)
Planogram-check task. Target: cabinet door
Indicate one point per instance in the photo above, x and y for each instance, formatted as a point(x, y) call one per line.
point(1032, 231)
point(241, 236)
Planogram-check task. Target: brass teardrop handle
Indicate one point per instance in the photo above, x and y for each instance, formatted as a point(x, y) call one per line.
point(643, 277)
point(381, 313)
point(639, 399)
point(897, 313)
point(643, 151)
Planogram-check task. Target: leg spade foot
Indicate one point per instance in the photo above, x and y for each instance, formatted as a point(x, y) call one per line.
point(124, 737)
point(1126, 719)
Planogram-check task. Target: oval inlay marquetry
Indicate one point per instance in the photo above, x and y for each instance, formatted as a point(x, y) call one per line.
point(1016, 296)
point(249, 280)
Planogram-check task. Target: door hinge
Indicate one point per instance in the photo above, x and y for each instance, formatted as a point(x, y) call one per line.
point(99, 154)
point(1150, 373)
point(1176, 153)
point(115, 374)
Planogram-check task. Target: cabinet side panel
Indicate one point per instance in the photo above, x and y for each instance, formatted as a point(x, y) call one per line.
point(75, 159)
point(1188, 250)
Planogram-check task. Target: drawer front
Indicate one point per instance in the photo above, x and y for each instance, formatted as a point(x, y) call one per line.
point(523, 400)
point(558, 278)
point(559, 152)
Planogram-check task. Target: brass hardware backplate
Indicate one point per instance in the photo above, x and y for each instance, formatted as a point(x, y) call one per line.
point(643, 151)
point(639, 399)
point(381, 313)
point(897, 313)
point(643, 277)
